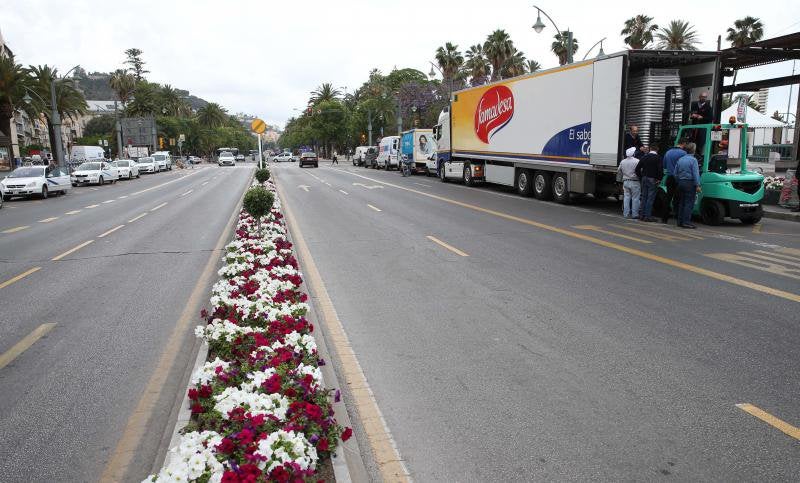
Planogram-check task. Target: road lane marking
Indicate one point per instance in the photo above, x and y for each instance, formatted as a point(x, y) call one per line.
point(604, 243)
point(168, 182)
point(315, 177)
point(71, 250)
point(374, 208)
point(25, 344)
point(751, 260)
point(110, 231)
point(387, 458)
point(137, 217)
point(778, 257)
point(651, 233)
point(423, 184)
point(675, 231)
point(16, 229)
point(304, 187)
point(108, 201)
point(369, 187)
point(343, 192)
point(73, 212)
point(19, 277)
point(757, 228)
point(777, 423)
point(610, 233)
point(184, 194)
point(159, 206)
point(91, 206)
point(134, 431)
point(94, 189)
point(448, 246)
point(122, 197)
point(48, 220)
point(204, 183)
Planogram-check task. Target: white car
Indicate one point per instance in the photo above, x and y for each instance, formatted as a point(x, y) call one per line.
point(35, 180)
point(128, 169)
point(147, 165)
point(226, 158)
point(282, 157)
point(95, 172)
point(164, 160)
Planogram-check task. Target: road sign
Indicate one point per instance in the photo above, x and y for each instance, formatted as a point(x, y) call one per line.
point(181, 138)
point(258, 126)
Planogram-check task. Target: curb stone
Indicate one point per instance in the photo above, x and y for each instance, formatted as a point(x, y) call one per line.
point(780, 215)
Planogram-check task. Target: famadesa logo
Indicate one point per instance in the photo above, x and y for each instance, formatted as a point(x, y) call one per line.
point(494, 111)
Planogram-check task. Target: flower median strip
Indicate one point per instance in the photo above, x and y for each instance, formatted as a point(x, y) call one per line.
point(260, 411)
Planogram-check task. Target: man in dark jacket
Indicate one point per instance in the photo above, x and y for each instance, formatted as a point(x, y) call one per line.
point(650, 170)
point(632, 138)
point(701, 110)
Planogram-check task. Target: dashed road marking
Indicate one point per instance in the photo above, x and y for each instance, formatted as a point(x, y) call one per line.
point(777, 423)
point(137, 217)
point(159, 207)
point(373, 207)
point(204, 183)
point(611, 233)
point(48, 220)
point(108, 201)
point(446, 245)
point(110, 231)
point(122, 197)
point(16, 229)
point(71, 250)
point(652, 233)
point(73, 212)
point(186, 193)
point(343, 192)
point(19, 277)
point(758, 262)
point(91, 206)
point(8, 356)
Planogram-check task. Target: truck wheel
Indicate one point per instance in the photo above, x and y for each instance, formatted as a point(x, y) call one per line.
point(524, 185)
point(542, 185)
point(442, 174)
point(560, 188)
point(750, 220)
point(468, 181)
point(44, 192)
point(712, 212)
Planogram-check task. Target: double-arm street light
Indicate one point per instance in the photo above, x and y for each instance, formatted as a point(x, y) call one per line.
point(539, 26)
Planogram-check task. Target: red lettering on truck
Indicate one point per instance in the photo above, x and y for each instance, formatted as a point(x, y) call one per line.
point(494, 110)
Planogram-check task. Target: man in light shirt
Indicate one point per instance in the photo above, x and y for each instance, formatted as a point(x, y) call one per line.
point(631, 187)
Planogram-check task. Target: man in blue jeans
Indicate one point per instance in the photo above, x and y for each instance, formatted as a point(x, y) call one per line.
point(687, 174)
point(649, 170)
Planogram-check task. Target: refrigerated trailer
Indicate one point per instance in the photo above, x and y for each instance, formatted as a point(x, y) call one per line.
point(559, 133)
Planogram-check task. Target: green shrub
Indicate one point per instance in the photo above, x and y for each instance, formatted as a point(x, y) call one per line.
point(258, 201)
point(262, 175)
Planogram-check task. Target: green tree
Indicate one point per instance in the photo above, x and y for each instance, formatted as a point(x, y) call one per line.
point(560, 47)
point(450, 61)
point(325, 92)
point(13, 82)
point(532, 66)
point(677, 35)
point(212, 115)
point(745, 31)
point(70, 102)
point(100, 126)
point(515, 65)
point(136, 64)
point(477, 66)
point(498, 48)
point(172, 102)
point(638, 31)
point(123, 84)
point(145, 100)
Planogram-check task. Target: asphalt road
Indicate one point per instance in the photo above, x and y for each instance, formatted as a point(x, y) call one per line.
point(568, 343)
point(114, 302)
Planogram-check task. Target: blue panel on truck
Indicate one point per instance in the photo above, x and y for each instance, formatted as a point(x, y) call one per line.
point(407, 144)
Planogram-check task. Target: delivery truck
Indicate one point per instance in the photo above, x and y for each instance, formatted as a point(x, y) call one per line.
point(416, 145)
point(559, 133)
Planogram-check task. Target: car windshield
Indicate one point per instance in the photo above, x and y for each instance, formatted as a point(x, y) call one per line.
point(145, 160)
point(123, 164)
point(88, 167)
point(27, 172)
point(159, 157)
point(225, 154)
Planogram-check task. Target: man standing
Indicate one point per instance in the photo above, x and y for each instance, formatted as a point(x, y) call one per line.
point(687, 173)
point(632, 138)
point(670, 159)
point(700, 110)
point(650, 170)
point(630, 185)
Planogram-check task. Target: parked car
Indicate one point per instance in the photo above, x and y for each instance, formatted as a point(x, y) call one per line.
point(35, 181)
point(295, 158)
point(164, 159)
point(388, 153)
point(226, 158)
point(95, 172)
point(127, 168)
point(282, 157)
point(309, 158)
point(370, 157)
point(240, 158)
point(147, 165)
point(195, 160)
point(359, 155)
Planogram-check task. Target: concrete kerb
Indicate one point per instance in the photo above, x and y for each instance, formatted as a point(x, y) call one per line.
point(781, 214)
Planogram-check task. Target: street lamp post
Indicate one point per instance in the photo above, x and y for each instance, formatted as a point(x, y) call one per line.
point(539, 26)
point(432, 73)
point(600, 53)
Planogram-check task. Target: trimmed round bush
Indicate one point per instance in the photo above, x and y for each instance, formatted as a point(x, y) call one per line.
point(262, 175)
point(258, 201)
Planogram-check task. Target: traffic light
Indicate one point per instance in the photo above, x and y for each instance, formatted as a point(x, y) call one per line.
point(161, 143)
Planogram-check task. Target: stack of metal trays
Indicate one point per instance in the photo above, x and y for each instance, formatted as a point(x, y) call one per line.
point(645, 103)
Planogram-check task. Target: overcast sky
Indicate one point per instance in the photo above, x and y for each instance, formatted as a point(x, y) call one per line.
point(263, 57)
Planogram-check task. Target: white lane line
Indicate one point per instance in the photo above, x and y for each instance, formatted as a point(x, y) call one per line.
point(374, 208)
point(94, 189)
point(16, 229)
point(91, 206)
point(73, 212)
point(343, 192)
point(448, 246)
point(137, 217)
point(184, 194)
point(204, 183)
point(159, 206)
point(122, 197)
point(48, 220)
point(423, 184)
point(71, 250)
point(108, 201)
point(110, 231)
point(168, 182)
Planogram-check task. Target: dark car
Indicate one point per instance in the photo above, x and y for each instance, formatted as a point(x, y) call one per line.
point(309, 159)
point(370, 157)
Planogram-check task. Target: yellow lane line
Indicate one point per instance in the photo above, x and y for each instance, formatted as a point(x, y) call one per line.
point(611, 245)
point(780, 424)
point(654, 234)
point(449, 247)
point(16, 229)
point(73, 212)
point(390, 465)
point(374, 208)
point(757, 228)
point(92, 206)
point(658, 226)
point(48, 220)
point(610, 233)
point(19, 277)
point(24, 344)
point(71, 250)
point(110, 231)
point(159, 206)
point(137, 217)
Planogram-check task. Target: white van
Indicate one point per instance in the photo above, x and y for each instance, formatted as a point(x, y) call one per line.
point(82, 154)
point(163, 159)
point(359, 156)
point(388, 153)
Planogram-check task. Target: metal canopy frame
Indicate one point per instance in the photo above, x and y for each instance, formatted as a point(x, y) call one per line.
point(763, 52)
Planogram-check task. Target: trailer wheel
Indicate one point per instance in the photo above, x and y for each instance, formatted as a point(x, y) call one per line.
point(712, 212)
point(442, 174)
point(524, 185)
point(560, 188)
point(468, 181)
point(542, 185)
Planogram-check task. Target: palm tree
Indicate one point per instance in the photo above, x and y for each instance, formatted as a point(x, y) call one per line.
point(515, 65)
point(477, 66)
point(677, 35)
point(123, 85)
point(559, 47)
point(498, 47)
point(145, 100)
point(70, 102)
point(171, 100)
point(639, 31)
point(13, 81)
point(325, 92)
point(532, 66)
point(212, 115)
point(745, 31)
point(450, 61)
